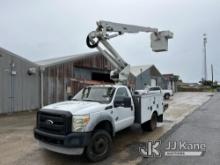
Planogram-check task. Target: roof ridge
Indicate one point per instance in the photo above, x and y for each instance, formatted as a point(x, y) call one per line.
point(136, 70)
point(66, 56)
point(141, 65)
point(57, 60)
point(7, 52)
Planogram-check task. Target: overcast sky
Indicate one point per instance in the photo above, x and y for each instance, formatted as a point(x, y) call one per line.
point(40, 29)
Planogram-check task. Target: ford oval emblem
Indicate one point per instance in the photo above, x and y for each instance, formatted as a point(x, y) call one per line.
point(49, 122)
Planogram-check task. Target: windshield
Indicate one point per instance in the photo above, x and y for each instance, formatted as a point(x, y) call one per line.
point(154, 89)
point(98, 94)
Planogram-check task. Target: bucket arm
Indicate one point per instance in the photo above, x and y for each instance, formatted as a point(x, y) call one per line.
point(108, 30)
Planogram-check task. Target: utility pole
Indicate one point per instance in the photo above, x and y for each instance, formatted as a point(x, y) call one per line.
point(205, 63)
point(212, 74)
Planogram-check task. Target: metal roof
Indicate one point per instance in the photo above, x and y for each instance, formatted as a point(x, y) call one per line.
point(136, 70)
point(64, 59)
point(8, 53)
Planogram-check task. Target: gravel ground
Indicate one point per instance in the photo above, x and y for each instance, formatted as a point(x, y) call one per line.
point(17, 145)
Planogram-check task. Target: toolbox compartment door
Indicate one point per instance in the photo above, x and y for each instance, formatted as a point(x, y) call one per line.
point(145, 105)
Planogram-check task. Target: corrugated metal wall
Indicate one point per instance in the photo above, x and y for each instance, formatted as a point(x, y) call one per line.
point(58, 77)
point(18, 90)
point(144, 79)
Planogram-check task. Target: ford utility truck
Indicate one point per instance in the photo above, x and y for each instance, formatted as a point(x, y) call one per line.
point(87, 123)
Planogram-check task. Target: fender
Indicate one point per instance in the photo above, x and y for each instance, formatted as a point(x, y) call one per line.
point(99, 118)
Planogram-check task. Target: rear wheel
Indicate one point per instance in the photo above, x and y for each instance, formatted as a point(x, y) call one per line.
point(167, 96)
point(151, 124)
point(99, 147)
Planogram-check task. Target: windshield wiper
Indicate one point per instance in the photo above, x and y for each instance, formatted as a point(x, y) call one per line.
point(88, 100)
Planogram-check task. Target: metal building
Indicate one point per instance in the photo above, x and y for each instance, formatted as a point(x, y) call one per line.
point(25, 85)
point(146, 75)
point(62, 77)
point(171, 81)
point(19, 83)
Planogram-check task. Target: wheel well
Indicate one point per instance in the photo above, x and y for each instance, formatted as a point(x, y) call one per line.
point(106, 125)
point(165, 95)
point(155, 112)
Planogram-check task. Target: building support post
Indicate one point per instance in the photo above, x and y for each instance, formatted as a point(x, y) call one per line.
point(42, 86)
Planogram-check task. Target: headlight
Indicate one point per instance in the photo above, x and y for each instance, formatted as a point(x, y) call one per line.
point(80, 122)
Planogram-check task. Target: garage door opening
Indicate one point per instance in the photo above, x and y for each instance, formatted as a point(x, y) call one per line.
point(101, 77)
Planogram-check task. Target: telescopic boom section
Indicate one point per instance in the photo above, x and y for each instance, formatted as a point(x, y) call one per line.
point(107, 30)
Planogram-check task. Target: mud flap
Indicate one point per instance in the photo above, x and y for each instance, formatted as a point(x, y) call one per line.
point(165, 107)
point(160, 118)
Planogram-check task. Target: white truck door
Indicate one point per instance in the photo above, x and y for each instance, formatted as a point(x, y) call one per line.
point(124, 115)
point(169, 85)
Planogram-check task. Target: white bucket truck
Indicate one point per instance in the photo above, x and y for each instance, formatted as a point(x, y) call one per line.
point(87, 123)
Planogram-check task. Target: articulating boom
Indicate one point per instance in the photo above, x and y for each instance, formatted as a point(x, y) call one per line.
point(107, 30)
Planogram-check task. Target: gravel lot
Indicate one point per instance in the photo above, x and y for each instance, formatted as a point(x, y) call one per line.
point(17, 145)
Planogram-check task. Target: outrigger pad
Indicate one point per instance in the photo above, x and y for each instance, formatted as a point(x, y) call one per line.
point(159, 41)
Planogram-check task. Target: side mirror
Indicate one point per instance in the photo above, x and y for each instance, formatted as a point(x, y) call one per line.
point(127, 102)
point(122, 101)
point(69, 98)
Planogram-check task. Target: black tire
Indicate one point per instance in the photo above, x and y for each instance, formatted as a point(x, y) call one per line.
point(151, 124)
point(90, 44)
point(167, 96)
point(100, 146)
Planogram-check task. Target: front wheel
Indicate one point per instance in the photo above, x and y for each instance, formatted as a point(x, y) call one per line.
point(100, 146)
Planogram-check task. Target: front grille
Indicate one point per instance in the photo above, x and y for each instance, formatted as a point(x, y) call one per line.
point(51, 140)
point(56, 122)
